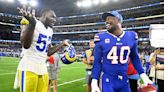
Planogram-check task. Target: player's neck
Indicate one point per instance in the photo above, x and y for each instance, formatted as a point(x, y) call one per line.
point(117, 32)
point(44, 22)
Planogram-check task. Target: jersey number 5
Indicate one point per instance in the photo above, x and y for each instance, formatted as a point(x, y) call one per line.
point(42, 39)
point(112, 55)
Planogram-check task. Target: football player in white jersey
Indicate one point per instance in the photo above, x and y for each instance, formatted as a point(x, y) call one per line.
point(36, 39)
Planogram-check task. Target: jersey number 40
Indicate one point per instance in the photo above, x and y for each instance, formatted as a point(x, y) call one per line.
point(112, 55)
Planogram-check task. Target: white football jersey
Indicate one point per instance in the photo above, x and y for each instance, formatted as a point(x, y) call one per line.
point(34, 58)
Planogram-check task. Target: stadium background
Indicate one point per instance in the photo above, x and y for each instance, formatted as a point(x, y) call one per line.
point(78, 24)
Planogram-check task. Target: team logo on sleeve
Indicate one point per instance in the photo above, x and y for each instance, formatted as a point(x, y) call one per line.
point(96, 38)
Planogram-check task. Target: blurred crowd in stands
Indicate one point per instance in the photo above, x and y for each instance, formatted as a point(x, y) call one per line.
point(7, 32)
point(10, 49)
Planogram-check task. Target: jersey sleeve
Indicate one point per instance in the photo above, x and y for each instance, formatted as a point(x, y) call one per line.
point(96, 70)
point(135, 57)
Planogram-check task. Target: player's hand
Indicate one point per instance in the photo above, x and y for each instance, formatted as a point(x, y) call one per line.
point(28, 13)
point(94, 85)
point(66, 43)
point(145, 79)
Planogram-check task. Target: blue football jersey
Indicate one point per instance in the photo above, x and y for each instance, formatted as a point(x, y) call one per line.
point(111, 53)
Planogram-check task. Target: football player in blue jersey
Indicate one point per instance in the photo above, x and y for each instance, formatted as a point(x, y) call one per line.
point(112, 50)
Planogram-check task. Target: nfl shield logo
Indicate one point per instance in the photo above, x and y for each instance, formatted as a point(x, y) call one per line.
point(107, 40)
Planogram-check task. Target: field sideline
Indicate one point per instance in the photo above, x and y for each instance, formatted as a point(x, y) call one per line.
point(71, 77)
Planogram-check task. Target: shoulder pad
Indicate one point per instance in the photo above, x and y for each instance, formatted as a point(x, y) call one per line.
point(134, 35)
point(96, 38)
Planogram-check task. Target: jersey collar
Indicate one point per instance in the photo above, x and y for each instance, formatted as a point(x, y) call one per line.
point(123, 33)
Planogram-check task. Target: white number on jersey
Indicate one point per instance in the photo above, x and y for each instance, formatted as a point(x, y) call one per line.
point(112, 55)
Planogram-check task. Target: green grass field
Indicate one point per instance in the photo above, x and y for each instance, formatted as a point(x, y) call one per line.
point(70, 79)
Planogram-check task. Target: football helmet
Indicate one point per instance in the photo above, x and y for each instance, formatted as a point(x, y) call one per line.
point(69, 55)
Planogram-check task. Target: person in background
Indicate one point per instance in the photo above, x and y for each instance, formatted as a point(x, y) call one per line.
point(157, 67)
point(88, 60)
point(53, 69)
point(147, 62)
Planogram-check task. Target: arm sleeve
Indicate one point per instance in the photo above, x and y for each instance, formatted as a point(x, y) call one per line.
point(135, 58)
point(96, 70)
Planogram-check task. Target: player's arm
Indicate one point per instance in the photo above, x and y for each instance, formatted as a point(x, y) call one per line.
point(53, 49)
point(28, 30)
point(97, 65)
point(134, 56)
point(27, 35)
point(136, 60)
point(96, 70)
point(137, 63)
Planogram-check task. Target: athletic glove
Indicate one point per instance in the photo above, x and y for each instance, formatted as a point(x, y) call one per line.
point(94, 85)
point(145, 79)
